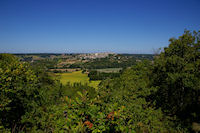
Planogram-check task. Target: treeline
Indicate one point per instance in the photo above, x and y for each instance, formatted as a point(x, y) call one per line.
point(158, 96)
point(46, 63)
point(140, 56)
point(109, 62)
point(95, 75)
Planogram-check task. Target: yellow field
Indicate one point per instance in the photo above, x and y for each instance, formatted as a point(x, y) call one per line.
point(77, 76)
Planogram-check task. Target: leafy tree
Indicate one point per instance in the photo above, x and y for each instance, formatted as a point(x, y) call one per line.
point(176, 74)
point(14, 78)
point(26, 97)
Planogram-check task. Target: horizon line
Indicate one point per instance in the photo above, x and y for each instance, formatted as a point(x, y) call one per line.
point(70, 53)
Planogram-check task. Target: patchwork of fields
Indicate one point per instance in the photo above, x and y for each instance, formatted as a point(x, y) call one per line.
point(79, 77)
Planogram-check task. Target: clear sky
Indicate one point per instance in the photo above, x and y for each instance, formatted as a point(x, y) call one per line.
point(68, 26)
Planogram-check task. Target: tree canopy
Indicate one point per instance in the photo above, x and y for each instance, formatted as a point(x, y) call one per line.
point(176, 74)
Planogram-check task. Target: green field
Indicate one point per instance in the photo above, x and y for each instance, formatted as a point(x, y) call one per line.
point(77, 76)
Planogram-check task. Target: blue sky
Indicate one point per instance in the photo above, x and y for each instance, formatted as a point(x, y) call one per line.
point(68, 26)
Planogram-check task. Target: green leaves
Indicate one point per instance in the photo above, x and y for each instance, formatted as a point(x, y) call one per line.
point(26, 99)
point(176, 73)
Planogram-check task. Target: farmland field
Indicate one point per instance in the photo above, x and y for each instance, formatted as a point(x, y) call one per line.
point(77, 76)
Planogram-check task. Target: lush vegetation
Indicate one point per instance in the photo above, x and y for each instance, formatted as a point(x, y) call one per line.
point(29, 97)
point(176, 75)
point(158, 96)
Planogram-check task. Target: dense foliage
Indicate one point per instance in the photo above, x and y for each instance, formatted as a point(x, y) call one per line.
point(28, 97)
point(176, 74)
point(95, 75)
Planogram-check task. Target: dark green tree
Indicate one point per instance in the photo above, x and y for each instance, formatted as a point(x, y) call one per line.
point(176, 74)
